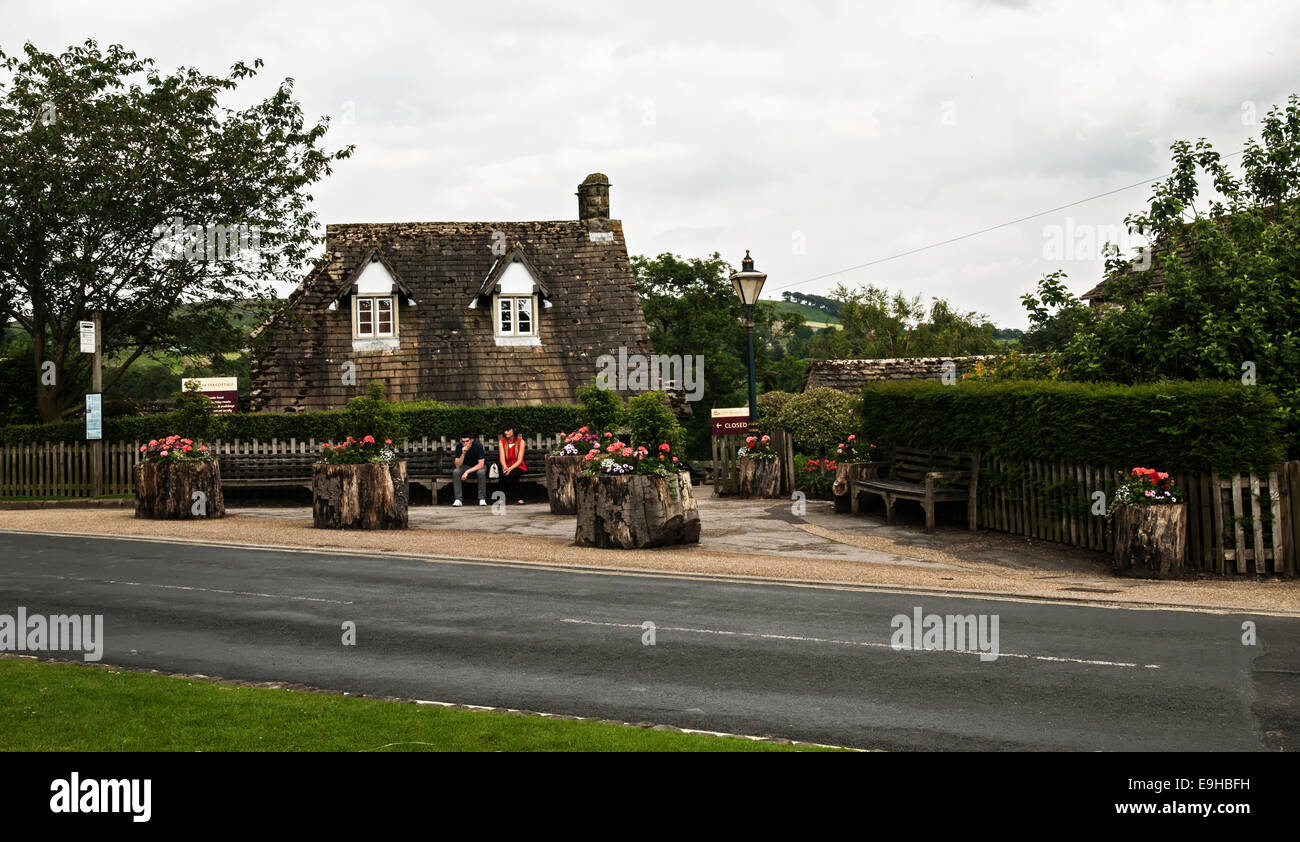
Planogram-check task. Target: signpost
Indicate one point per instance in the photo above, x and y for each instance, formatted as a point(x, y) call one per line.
point(91, 343)
point(731, 422)
point(222, 391)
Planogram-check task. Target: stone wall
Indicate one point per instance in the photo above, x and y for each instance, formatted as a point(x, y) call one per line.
point(852, 375)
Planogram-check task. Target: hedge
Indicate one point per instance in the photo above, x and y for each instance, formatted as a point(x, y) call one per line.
point(1197, 427)
point(432, 421)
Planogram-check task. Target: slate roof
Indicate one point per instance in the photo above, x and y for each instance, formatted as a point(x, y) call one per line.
point(446, 349)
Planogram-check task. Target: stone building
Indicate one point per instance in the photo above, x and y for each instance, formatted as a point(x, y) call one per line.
point(470, 313)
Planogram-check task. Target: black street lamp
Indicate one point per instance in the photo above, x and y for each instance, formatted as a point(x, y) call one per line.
point(749, 284)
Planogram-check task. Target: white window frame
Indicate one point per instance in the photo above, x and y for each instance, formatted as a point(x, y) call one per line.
point(375, 332)
point(513, 301)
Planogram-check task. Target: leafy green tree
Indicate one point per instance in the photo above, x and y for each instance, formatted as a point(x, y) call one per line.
point(1218, 295)
point(121, 191)
point(692, 309)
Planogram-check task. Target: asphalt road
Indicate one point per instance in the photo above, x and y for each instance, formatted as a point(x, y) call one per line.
point(799, 662)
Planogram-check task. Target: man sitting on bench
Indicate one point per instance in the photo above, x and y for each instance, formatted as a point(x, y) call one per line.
point(470, 459)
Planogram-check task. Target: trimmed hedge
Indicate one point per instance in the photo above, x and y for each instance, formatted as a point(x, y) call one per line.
point(1197, 427)
point(420, 420)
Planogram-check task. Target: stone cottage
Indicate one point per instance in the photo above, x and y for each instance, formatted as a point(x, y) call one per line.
point(470, 313)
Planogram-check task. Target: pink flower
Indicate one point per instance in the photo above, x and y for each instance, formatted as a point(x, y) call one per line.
point(203, 448)
point(186, 448)
point(767, 438)
point(851, 438)
point(368, 440)
point(142, 448)
point(164, 453)
point(153, 443)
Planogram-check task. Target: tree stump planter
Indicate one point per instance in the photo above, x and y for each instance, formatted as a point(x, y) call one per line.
point(759, 478)
point(847, 473)
point(631, 512)
point(1150, 541)
point(189, 490)
point(561, 471)
point(368, 495)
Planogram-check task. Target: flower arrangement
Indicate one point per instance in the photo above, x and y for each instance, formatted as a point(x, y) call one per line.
point(850, 451)
point(576, 443)
point(1145, 487)
point(354, 451)
point(812, 476)
point(174, 449)
point(616, 458)
point(757, 447)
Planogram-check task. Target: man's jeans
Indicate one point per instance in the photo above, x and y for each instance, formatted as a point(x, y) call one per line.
point(482, 482)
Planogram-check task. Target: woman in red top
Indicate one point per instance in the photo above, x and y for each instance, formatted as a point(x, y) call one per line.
point(510, 450)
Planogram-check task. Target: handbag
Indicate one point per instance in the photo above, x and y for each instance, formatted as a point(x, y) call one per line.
point(494, 471)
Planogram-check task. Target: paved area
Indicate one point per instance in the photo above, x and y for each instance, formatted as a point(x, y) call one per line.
point(751, 539)
point(800, 662)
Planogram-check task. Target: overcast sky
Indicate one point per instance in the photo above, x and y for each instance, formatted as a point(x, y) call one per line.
point(819, 135)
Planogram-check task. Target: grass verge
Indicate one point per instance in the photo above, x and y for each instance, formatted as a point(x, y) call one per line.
point(65, 707)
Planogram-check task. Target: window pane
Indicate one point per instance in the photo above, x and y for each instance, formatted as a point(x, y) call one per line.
point(505, 316)
point(525, 308)
point(385, 314)
point(365, 317)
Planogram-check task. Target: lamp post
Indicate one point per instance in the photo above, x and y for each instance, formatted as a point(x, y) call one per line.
point(749, 284)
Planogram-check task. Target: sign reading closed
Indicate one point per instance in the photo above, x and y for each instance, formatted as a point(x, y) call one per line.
point(731, 422)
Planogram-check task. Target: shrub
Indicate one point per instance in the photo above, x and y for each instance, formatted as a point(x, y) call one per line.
point(371, 416)
point(421, 419)
point(193, 416)
point(1194, 426)
point(819, 419)
point(602, 409)
point(652, 423)
point(769, 407)
point(1014, 365)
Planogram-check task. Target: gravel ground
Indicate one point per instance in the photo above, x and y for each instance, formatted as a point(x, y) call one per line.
point(757, 539)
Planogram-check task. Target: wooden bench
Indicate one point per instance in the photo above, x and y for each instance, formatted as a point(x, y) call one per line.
point(429, 469)
point(929, 477)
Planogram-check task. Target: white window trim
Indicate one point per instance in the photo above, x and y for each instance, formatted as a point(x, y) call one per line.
point(513, 337)
point(374, 315)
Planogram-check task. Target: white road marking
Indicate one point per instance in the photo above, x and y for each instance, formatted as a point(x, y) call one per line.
point(867, 643)
point(190, 588)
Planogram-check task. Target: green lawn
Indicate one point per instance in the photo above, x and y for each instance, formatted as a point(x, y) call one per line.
point(61, 707)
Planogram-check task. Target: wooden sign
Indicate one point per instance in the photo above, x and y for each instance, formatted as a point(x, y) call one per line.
point(731, 422)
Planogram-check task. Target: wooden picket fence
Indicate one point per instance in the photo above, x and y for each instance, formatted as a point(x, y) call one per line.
point(1244, 523)
point(64, 470)
point(726, 464)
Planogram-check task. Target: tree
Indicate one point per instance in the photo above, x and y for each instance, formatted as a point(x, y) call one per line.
point(136, 194)
point(1217, 296)
point(878, 324)
point(692, 309)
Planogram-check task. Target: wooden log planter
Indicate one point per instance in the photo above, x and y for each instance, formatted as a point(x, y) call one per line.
point(186, 490)
point(847, 473)
point(561, 471)
point(366, 495)
point(1150, 541)
point(759, 478)
point(631, 512)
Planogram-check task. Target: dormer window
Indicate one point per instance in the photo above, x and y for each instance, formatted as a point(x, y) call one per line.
point(372, 295)
point(514, 291)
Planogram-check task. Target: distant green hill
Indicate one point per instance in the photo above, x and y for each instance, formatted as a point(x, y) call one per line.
point(814, 316)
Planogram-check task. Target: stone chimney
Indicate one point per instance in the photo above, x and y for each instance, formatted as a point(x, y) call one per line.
point(593, 197)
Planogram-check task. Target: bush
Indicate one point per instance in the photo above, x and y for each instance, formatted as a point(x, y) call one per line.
point(1014, 365)
point(193, 416)
point(371, 415)
point(422, 419)
point(602, 409)
point(652, 423)
point(819, 419)
point(1199, 426)
point(770, 405)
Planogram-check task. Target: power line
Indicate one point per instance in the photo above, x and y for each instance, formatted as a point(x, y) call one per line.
point(880, 260)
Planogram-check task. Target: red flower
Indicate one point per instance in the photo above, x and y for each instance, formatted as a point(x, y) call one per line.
point(368, 440)
point(664, 447)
